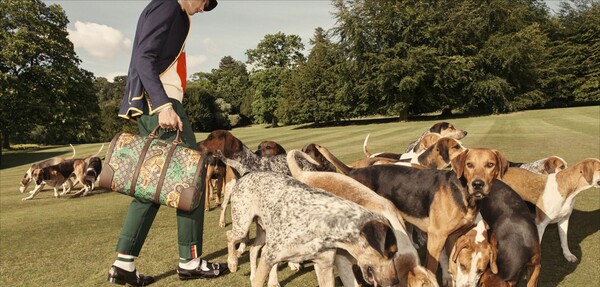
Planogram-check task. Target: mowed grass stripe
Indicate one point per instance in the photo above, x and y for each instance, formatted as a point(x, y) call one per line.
point(70, 241)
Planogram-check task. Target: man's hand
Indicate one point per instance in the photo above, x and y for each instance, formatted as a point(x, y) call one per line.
point(169, 120)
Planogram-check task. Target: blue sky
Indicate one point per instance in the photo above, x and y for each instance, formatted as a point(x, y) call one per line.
point(103, 30)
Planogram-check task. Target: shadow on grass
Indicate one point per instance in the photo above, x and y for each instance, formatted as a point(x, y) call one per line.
point(208, 257)
point(554, 265)
point(16, 159)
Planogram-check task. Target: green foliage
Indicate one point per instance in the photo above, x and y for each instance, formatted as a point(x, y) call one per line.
point(110, 95)
point(309, 94)
point(44, 96)
point(232, 82)
point(574, 71)
point(277, 50)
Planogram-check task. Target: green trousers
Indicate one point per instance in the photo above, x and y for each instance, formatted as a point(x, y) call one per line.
point(141, 214)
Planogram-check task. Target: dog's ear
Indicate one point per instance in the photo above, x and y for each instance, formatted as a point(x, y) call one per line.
point(380, 237)
point(587, 169)
point(501, 163)
point(443, 148)
point(493, 254)
point(232, 145)
point(462, 243)
point(280, 150)
point(549, 166)
point(458, 163)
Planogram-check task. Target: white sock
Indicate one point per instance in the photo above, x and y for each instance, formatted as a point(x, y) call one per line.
point(189, 264)
point(125, 262)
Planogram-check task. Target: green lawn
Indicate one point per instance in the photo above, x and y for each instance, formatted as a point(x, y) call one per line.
point(71, 241)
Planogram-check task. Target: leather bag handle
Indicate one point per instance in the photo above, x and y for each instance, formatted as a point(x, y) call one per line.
point(154, 135)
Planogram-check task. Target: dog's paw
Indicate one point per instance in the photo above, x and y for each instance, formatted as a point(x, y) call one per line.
point(274, 284)
point(222, 223)
point(294, 266)
point(447, 281)
point(232, 264)
point(26, 198)
point(571, 258)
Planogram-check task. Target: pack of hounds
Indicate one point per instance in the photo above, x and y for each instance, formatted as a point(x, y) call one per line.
point(478, 215)
point(60, 172)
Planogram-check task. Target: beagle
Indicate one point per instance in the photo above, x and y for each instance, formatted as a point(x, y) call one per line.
point(513, 236)
point(552, 164)
point(94, 167)
point(437, 155)
point(444, 129)
point(425, 142)
point(470, 255)
point(269, 148)
point(554, 194)
point(407, 258)
point(28, 179)
point(59, 174)
point(435, 201)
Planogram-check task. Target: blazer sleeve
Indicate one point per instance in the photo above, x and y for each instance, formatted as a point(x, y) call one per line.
point(155, 31)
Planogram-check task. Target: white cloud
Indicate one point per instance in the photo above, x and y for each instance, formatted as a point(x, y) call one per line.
point(194, 63)
point(111, 76)
point(98, 40)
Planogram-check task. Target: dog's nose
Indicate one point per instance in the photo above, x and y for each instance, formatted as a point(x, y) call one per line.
point(478, 184)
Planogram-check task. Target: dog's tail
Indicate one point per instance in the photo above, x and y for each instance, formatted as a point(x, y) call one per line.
point(342, 167)
point(365, 150)
point(74, 151)
point(97, 153)
point(295, 169)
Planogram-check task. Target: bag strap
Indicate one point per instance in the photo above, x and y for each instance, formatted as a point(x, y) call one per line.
point(163, 173)
point(139, 166)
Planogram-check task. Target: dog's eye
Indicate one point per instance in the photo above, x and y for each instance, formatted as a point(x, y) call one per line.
point(469, 165)
point(210, 137)
point(268, 147)
point(463, 267)
point(489, 165)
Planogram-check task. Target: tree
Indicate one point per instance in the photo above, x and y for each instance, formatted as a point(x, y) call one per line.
point(274, 58)
point(42, 89)
point(277, 50)
point(231, 82)
point(574, 73)
point(110, 95)
point(310, 94)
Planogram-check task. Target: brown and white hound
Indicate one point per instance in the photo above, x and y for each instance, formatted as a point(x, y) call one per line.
point(444, 129)
point(269, 148)
point(551, 164)
point(554, 194)
point(425, 142)
point(406, 260)
point(435, 201)
point(28, 179)
point(59, 174)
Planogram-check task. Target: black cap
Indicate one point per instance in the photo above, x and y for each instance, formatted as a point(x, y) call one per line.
point(211, 5)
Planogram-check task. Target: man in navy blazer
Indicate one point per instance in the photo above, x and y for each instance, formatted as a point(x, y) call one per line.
point(153, 97)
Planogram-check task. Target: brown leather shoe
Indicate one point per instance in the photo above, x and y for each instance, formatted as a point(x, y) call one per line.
point(215, 270)
point(119, 276)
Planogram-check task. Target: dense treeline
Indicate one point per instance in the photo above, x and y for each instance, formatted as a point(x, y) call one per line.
point(388, 57)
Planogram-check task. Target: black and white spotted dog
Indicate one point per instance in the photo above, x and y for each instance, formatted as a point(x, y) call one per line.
point(308, 224)
point(232, 151)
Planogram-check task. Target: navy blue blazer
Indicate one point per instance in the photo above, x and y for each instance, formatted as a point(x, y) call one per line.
point(160, 36)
